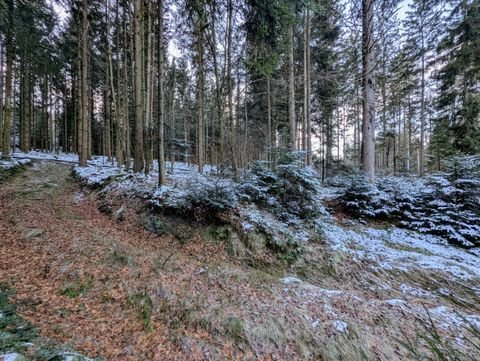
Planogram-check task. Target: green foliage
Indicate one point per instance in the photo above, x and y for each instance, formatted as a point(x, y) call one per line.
point(289, 190)
point(78, 287)
point(143, 306)
point(119, 256)
point(235, 328)
point(8, 171)
point(444, 204)
point(459, 98)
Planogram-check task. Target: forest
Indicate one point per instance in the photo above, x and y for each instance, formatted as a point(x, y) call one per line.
point(240, 180)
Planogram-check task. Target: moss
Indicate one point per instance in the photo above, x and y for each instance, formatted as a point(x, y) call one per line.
point(6, 173)
point(235, 329)
point(78, 288)
point(143, 306)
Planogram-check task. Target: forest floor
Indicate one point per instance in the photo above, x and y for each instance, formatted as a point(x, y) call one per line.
point(115, 291)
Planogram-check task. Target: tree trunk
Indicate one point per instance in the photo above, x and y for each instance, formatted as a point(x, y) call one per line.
point(138, 161)
point(200, 98)
point(1, 92)
point(161, 98)
point(84, 119)
point(422, 108)
point(230, 83)
point(148, 94)
point(291, 91)
point(368, 124)
point(308, 87)
point(109, 97)
point(8, 84)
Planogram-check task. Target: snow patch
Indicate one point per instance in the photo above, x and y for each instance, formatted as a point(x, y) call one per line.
point(340, 326)
point(404, 250)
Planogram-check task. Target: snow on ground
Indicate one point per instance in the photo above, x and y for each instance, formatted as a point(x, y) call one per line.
point(342, 306)
point(12, 163)
point(392, 248)
point(396, 248)
point(34, 154)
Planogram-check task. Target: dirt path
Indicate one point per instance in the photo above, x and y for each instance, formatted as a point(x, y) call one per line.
point(80, 276)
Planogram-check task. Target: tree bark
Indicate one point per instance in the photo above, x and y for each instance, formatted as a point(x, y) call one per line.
point(161, 98)
point(84, 118)
point(291, 91)
point(200, 94)
point(148, 94)
point(422, 105)
point(1, 92)
point(308, 87)
point(8, 84)
point(368, 123)
point(138, 161)
point(230, 83)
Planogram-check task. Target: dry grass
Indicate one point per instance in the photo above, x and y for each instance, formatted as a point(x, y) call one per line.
point(215, 300)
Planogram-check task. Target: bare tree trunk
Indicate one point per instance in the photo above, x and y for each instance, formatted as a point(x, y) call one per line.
point(308, 87)
point(27, 113)
point(230, 83)
point(291, 91)
point(368, 124)
point(148, 94)
point(127, 95)
point(8, 84)
point(138, 161)
point(84, 118)
point(328, 144)
point(200, 97)
point(422, 109)
point(212, 42)
point(269, 119)
point(161, 98)
point(1, 92)
point(109, 97)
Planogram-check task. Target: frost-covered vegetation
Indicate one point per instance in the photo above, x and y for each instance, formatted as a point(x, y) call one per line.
point(12, 166)
point(331, 293)
point(281, 204)
point(446, 203)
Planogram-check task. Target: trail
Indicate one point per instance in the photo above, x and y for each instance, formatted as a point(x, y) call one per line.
point(55, 243)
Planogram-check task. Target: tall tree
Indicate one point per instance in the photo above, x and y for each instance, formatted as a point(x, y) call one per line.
point(84, 93)
point(458, 102)
point(161, 96)
point(368, 85)
point(138, 161)
point(10, 49)
point(291, 85)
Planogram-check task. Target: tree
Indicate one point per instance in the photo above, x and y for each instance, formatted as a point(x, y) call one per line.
point(458, 102)
point(368, 85)
point(8, 82)
point(161, 97)
point(138, 161)
point(84, 119)
point(291, 87)
point(422, 31)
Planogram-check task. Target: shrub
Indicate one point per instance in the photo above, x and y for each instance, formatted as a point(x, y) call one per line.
point(446, 204)
point(290, 190)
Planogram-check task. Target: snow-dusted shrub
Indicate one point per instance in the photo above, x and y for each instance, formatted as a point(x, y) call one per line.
point(364, 199)
point(288, 191)
point(446, 204)
point(452, 208)
point(200, 196)
point(9, 168)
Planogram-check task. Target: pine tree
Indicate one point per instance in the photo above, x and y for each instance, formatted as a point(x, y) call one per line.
point(458, 102)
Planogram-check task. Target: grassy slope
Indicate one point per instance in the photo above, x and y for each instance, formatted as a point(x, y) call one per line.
point(113, 289)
